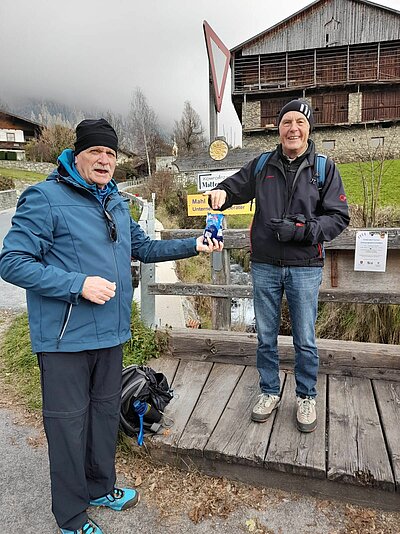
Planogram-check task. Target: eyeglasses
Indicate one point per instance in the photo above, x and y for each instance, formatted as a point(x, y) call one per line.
point(112, 228)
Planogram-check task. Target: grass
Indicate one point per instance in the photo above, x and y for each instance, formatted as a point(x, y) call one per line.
point(390, 190)
point(20, 365)
point(21, 370)
point(26, 176)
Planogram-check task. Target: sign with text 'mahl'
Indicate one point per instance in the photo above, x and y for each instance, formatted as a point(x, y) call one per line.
point(198, 206)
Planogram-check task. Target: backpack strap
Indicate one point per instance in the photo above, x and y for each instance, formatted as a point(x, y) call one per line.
point(321, 167)
point(262, 160)
point(321, 170)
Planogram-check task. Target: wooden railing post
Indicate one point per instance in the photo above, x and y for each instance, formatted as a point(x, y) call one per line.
point(221, 306)
point(148, 270)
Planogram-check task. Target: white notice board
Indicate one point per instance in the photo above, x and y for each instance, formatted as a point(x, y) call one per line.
point(208, 180)
point(371, 251)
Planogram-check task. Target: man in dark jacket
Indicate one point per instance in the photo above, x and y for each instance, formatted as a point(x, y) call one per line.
point(70, 247)
point(293, 217)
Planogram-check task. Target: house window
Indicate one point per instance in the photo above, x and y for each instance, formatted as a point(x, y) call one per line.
point(10, 137)
point(376, 142)
point(328, 144)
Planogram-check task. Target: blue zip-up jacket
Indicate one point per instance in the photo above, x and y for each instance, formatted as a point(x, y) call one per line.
point(59, 236)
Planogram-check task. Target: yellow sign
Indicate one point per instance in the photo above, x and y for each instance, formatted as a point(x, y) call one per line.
point(198, 205)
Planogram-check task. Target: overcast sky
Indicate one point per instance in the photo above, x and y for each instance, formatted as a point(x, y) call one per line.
point(95, 52)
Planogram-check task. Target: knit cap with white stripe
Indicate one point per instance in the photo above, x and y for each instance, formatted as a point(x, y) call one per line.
point(298, 105)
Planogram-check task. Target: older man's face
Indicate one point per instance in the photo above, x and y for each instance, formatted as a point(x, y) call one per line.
point(96, 165)
point(294, 130)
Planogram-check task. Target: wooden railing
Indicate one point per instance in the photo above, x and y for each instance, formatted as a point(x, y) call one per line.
point(340, 282)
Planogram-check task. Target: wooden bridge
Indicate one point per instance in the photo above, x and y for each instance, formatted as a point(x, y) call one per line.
point(353, 455)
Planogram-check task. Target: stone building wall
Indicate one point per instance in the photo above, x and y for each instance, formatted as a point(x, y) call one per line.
point(344, 145)
point(355, 101)
point(252, 114)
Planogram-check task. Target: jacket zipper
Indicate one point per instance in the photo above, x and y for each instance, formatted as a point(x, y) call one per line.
point(65, 324)
point(302, 166)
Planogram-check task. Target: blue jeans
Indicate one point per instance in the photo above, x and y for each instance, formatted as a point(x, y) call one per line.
point(301, 285)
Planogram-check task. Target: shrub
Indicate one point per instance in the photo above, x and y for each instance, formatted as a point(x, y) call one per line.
point(125, 171)
point(145, 342)
point(6, 183)
point(50, 144)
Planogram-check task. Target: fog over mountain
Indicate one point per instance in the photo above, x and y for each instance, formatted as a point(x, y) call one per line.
point(91, 55)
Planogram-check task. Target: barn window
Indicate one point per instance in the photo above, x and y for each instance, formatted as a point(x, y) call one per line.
point(377, 141)
point(328, 144)
point(10, 136)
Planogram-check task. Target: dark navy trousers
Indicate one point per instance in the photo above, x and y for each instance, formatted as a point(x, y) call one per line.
point(81, 408)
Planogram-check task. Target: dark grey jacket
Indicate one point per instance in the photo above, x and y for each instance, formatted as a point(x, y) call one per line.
point(325, 210)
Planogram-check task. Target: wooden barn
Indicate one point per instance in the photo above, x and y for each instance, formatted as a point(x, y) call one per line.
point(343, 56)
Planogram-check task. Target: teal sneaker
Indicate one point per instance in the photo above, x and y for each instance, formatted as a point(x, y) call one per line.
point(90, 527)
point(119, 499)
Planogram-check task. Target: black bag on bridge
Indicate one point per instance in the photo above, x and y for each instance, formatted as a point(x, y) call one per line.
point(145, 394)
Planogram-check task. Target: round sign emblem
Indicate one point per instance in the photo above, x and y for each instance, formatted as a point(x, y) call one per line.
point(218, 149)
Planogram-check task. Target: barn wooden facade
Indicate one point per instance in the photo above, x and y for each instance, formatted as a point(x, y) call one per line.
point(343, 56)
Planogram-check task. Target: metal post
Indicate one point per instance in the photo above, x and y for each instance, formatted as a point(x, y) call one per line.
point(213, 115)
point(148, 270)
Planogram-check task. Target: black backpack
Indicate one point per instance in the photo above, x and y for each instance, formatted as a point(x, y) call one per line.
point(143, 384)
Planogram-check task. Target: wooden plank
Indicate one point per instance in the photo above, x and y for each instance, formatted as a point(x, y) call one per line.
point(220, 276)
point(167, 366)
point(240, 238)
point(360, 296)
point(237, 438)
point(292, 451)
point(356, 447)
point(388, 401)
point(350, 358)
point(259, 476)
point(212, 401)
point(187, 385)
point(351, 282)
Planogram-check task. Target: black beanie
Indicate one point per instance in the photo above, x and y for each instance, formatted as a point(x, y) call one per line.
point(95, 132)
point(298, 105)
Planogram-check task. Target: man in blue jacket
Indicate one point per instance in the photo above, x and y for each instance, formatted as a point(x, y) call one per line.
point(70, 247)
point(296, 211)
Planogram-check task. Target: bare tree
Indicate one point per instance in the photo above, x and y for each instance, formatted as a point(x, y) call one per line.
point(51, 142)
point(374, 161)
point(121, 127)
point(188, 131)
point(145, 129)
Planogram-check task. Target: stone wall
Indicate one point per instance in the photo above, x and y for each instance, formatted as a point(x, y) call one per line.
point(343, 144)
point(252, 114)
point(8, 199)
point(35, 166)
